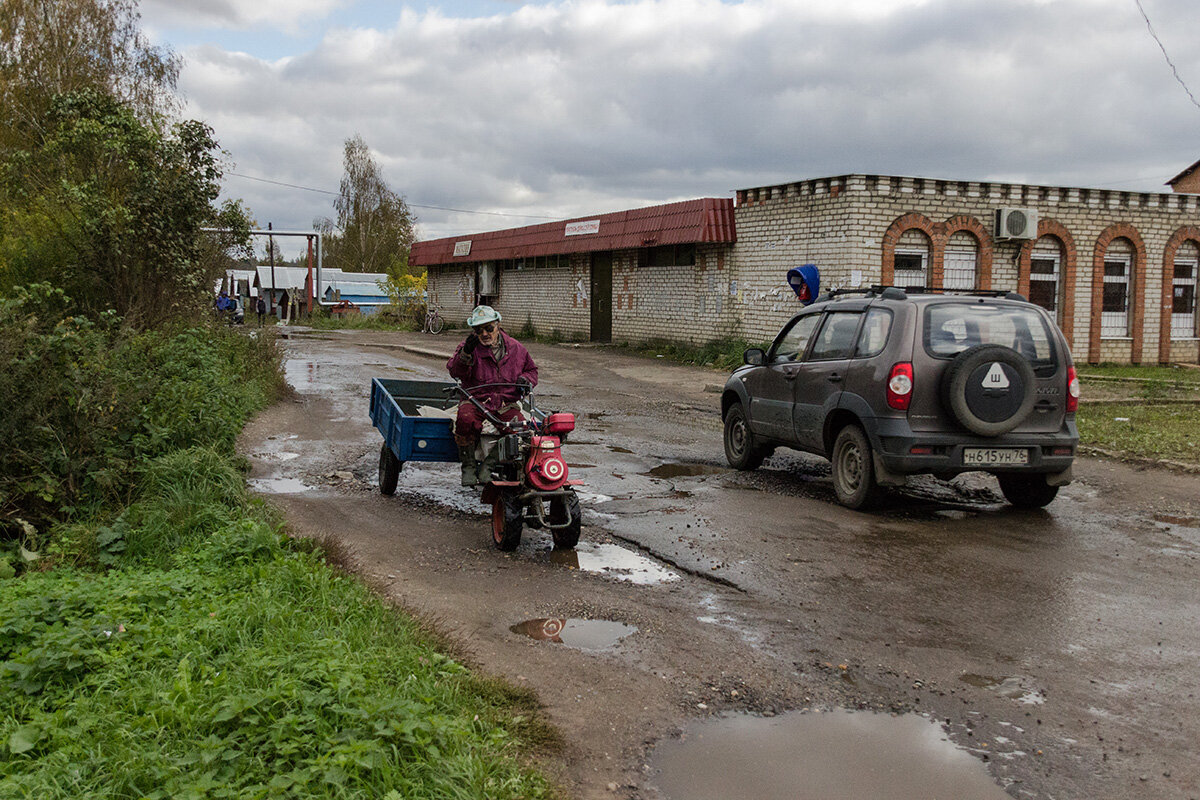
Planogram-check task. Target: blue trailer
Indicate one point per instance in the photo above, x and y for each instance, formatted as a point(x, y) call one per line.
point(408, 436)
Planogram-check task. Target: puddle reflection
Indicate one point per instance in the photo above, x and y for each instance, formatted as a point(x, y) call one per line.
point(279, 485)
point(806, 756)
point(614, 562)
point(581, 634)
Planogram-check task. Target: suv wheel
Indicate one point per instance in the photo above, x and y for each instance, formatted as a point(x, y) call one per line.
point(742, 448)
point(1027, 491)
point(853, 469)
point(990, 389)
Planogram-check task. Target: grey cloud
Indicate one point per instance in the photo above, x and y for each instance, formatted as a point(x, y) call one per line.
point(572, 109)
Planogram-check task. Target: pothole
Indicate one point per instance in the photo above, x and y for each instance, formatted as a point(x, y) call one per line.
point(813, 756)
point(614, 562)
point(581, 634)
point(279, 485)
point(680, 470)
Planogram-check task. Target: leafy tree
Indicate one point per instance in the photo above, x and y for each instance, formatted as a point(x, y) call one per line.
point(53, 47)
point(374, 227)
point(110, 210)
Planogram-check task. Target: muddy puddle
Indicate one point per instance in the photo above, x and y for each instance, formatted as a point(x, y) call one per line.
point(681, 470)
point(1183, 522)
point(581, 634)
point(817, 756)
point(278, 485)
point(614, 562)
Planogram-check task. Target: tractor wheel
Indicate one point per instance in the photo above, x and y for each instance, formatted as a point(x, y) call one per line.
point(507, 522)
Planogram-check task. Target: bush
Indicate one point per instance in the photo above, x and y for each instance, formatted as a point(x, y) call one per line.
point(90, 403)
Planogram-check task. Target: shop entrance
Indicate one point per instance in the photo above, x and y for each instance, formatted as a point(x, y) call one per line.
point(601, 297)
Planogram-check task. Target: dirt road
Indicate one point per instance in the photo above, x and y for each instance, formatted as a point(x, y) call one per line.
point(1059, 648)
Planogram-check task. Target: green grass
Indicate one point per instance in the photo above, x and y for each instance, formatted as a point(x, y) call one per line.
point(322, 320)
point(1169, 374)
point(229, 661)
point(1169, 432)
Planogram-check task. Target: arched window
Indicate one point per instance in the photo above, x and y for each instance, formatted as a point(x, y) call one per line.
point(1183, 292)
point(961, 270)
point(1118, 299)
point(1045, 275)
point(912, 259)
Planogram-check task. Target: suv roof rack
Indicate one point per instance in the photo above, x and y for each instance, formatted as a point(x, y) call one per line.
point(887, 292)
point(1003, 293)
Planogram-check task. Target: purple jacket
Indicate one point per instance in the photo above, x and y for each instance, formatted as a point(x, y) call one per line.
point(480, 367)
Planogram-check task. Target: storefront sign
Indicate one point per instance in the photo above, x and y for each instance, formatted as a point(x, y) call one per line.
point(462, 248)
point(581, 228)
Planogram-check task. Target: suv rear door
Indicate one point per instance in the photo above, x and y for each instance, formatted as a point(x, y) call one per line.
point(956, 325)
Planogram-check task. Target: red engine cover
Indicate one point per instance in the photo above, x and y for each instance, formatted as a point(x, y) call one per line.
point(546, 468)
point(561, 422)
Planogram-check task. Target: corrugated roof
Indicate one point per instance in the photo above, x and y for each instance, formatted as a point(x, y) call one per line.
point(286, 277)
point(708, 219)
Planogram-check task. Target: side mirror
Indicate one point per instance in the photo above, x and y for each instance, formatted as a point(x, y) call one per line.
point(754, 356)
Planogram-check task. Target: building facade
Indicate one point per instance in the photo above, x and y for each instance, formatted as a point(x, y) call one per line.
point(1117, 269)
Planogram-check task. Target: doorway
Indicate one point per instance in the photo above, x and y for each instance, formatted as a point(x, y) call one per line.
point(601, 297)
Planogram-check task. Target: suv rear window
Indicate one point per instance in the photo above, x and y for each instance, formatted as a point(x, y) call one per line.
point(951, 328)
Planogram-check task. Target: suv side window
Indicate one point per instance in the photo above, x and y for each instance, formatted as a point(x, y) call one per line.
point(874, 334)
point(836, 339)
point(794, 341)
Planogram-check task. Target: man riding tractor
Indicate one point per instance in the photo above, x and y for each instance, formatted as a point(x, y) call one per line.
point(492, 366)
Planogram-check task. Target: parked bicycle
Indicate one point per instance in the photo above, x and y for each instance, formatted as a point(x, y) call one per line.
point(433, 321)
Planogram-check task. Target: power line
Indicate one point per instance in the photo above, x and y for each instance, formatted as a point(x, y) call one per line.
point(1170, 63)
point(413, 205)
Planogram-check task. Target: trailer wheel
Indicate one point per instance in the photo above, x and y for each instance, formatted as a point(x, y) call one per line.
point(506, 522)
point(560, 508)
point(389, 470)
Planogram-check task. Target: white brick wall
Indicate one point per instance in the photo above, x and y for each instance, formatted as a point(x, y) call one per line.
point(838, 224)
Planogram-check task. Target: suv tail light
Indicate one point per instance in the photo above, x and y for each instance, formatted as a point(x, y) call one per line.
point(1072, 391)
point(900, 386)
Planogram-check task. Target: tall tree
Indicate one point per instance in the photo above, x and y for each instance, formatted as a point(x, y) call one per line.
point(110, 210)
point(53, 47)
point(374, 227)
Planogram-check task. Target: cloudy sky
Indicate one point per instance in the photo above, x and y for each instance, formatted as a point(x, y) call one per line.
point(487, 114)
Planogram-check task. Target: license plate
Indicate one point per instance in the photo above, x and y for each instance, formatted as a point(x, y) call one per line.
point(994, 457)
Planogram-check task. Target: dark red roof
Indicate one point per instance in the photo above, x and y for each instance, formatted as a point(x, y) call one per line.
point(709, 219)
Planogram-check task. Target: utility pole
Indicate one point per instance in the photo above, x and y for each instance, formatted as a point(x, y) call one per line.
point(271, 256)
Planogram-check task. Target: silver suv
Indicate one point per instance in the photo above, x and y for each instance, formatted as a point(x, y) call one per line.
point(888, 382)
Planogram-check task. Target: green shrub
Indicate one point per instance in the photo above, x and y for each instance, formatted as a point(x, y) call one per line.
point(92, 402)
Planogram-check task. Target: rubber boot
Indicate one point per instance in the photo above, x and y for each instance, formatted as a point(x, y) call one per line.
point(486, 466)
point(470, 467)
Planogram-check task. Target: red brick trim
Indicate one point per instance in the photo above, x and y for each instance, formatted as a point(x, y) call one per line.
point(1050, 227)
point(983, 242)
point(892, 236)
point(1185, 234)
point(1120, 230)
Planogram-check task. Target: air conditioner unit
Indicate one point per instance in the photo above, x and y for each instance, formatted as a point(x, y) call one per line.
point(1016, 223)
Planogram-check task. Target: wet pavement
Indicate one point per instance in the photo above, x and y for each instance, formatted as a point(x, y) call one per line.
point(1055, 650)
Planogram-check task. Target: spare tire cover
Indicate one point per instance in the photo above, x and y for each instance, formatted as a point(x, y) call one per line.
point(990, 389)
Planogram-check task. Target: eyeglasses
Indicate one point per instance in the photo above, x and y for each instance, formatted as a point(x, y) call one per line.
point(488, 328)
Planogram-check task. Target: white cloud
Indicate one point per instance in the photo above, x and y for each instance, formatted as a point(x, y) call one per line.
point(570, 109)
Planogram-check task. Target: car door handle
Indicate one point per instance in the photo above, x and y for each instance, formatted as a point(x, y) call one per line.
point(834, 378)
point(791, 375)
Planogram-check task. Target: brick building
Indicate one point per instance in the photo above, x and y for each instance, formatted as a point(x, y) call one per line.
point(1118, 269)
